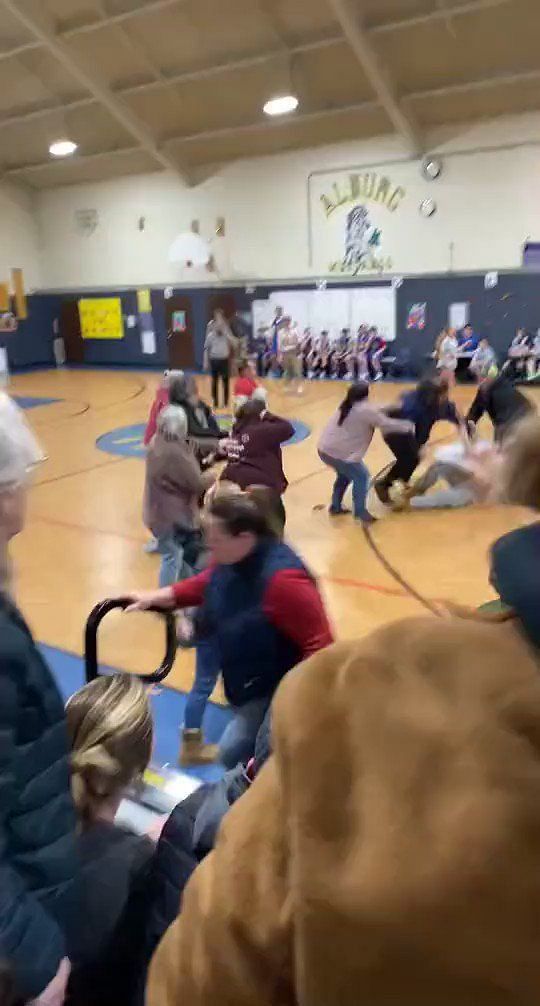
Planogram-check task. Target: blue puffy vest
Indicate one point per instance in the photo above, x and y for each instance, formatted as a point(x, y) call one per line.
point(254, 654)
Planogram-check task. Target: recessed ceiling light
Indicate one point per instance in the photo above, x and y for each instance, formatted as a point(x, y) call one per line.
point(281, 106)
point(62, 148)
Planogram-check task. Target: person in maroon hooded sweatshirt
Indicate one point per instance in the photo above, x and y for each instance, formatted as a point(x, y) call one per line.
point(253, 451)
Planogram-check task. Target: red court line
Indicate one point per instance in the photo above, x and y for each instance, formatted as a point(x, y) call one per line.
point(139, 540)
point(72, 526)
point(342, 581)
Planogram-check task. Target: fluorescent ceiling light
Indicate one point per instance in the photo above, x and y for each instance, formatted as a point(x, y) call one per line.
point(282, 105)
point(62, 148)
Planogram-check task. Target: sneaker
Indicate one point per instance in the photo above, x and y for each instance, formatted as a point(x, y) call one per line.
point(194, 751)
point(151, 547)
point(339, 513)
point(367, 518)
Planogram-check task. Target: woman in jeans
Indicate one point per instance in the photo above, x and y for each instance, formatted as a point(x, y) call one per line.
point(261, 608)
point(344, 443)
point(174, 485)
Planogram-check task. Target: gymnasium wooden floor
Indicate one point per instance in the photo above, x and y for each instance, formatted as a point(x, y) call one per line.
point(85, 535)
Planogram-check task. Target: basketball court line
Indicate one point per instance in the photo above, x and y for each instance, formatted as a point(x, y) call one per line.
point(90, 529)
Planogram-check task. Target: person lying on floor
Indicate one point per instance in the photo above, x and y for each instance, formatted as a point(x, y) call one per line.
point(469, 470)
point(383, 881)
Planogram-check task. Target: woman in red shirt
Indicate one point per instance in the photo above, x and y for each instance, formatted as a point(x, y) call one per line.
point(260, 607)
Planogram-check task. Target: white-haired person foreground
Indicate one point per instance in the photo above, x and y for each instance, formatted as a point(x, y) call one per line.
point(37, 819)
point(174, 487)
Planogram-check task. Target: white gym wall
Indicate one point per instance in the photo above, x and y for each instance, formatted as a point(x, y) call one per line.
point(487, 206)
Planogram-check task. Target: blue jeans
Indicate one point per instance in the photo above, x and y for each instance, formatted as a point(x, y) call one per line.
point(206, 674)
point(347, 472)
point(178, 551)
point(238, 741)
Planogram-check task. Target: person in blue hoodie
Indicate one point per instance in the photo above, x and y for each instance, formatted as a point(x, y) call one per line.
point(426, 405)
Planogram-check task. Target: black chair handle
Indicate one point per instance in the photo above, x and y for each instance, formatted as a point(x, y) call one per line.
point(91, 633)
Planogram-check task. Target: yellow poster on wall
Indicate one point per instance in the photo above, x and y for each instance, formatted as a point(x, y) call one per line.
point(144, 302)
point(101, 318)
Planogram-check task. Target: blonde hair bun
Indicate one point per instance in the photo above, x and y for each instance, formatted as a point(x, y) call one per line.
point(110, 729)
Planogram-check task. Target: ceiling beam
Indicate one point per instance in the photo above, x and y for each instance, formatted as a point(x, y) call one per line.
point(172, 80)
point(260, 125)
point(481, 84)
point(439, 14)
point(154, 6)
point(28, 169)
point(39, 26)
point(351, 23)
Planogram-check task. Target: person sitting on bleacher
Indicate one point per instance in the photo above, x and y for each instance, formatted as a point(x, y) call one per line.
point(389, 850)
point(110, 729)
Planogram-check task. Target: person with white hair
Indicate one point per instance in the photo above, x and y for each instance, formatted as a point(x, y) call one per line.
point(37, 817)
point(174, 486)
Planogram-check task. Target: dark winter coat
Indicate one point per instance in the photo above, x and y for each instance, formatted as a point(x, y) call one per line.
point(37, 818)
point(254, 452)
point(515, 565)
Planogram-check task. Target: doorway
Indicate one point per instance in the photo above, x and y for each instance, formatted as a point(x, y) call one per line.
point(180, 337)
point(70, 331)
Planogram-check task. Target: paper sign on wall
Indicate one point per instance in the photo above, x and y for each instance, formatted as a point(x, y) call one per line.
point(179, 321)
point(148, 343)
point(416, 317)
point(458, 315)
point(144, 302)
point(101, 318)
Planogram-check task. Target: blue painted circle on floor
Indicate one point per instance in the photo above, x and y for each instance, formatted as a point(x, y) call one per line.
point(127, 441)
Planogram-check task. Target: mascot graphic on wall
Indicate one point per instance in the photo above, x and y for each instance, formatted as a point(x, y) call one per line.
point(361, 238)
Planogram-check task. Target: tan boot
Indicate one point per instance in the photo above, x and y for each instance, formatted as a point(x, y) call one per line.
point(194, 751)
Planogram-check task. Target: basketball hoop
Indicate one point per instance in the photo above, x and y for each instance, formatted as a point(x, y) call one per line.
point(189, 250)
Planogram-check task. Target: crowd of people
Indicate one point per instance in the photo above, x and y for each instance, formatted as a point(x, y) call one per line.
point(522, 358)
point(376, 835)
point(281, 350)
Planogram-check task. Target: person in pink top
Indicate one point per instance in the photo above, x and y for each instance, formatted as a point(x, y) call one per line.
point(161, 399)
point(344, 442)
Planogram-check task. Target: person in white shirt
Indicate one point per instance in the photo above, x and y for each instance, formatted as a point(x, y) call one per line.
point(291, 359)
point(483, 359)
point(447, 360)
point(469, 470)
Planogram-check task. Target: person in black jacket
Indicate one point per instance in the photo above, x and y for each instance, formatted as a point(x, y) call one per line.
point(110, 728)
point(515, 558)
point(203, 428)
point(38, 908)
point(504, 404)
point(427, 405)
point(189, 835)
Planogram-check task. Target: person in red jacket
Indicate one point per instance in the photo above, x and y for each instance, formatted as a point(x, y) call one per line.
point(260, 607)
point(161, 399)
point(253, 451)
point(245, 384)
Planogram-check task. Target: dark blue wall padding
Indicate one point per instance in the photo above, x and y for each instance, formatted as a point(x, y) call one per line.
point(495, 313)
